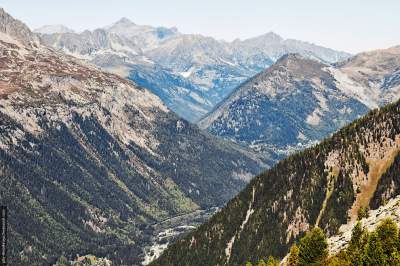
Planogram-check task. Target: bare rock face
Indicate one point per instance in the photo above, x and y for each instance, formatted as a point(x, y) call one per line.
point(89, 160)
point(390, 210)
point(16, 29)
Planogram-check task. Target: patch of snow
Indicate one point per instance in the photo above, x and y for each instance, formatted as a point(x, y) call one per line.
point(187, 73)
point(227, 62)
point(147, 60)
point(198, 98)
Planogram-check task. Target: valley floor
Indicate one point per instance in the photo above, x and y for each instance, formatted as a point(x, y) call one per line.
point(170, 229)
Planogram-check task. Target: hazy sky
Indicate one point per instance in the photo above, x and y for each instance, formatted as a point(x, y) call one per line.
point(349, 25)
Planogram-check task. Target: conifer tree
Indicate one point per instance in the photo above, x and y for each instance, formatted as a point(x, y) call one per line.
point(387, 232)
point(313, 248)
point(293, 259)
point(272, 261)
point(374, 253)
point(261, 262)
point(359, 239)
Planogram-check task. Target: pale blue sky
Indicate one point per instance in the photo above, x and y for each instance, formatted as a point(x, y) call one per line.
point(350, 25)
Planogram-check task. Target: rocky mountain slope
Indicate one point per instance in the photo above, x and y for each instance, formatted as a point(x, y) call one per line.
point(89, 160)
point(323, 186)
point(201, 70)
point(299, 101)
point(390, 209)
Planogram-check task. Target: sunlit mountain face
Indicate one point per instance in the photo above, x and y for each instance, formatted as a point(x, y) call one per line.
point(190, 73)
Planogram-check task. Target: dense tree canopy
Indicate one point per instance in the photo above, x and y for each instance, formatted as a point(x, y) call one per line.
point(380, 247)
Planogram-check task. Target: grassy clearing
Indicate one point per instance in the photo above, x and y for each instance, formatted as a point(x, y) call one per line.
point(376, 169)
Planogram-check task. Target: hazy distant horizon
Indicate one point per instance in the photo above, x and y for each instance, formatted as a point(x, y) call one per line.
point(352, 27)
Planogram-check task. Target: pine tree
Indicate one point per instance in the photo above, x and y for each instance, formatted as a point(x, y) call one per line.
point(272, 261)
point(313, 248)
point(293, 259)
point(356, 235)
point(359, 239)
point(387, 232)
point(261, 262)
point(374, 253)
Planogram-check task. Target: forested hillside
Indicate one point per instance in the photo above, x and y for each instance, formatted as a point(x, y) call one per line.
point(326, 186)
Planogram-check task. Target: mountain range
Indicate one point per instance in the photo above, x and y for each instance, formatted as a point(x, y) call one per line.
point(190, 73)
point(298, 101)
point(95, 164)
point(90, 161)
